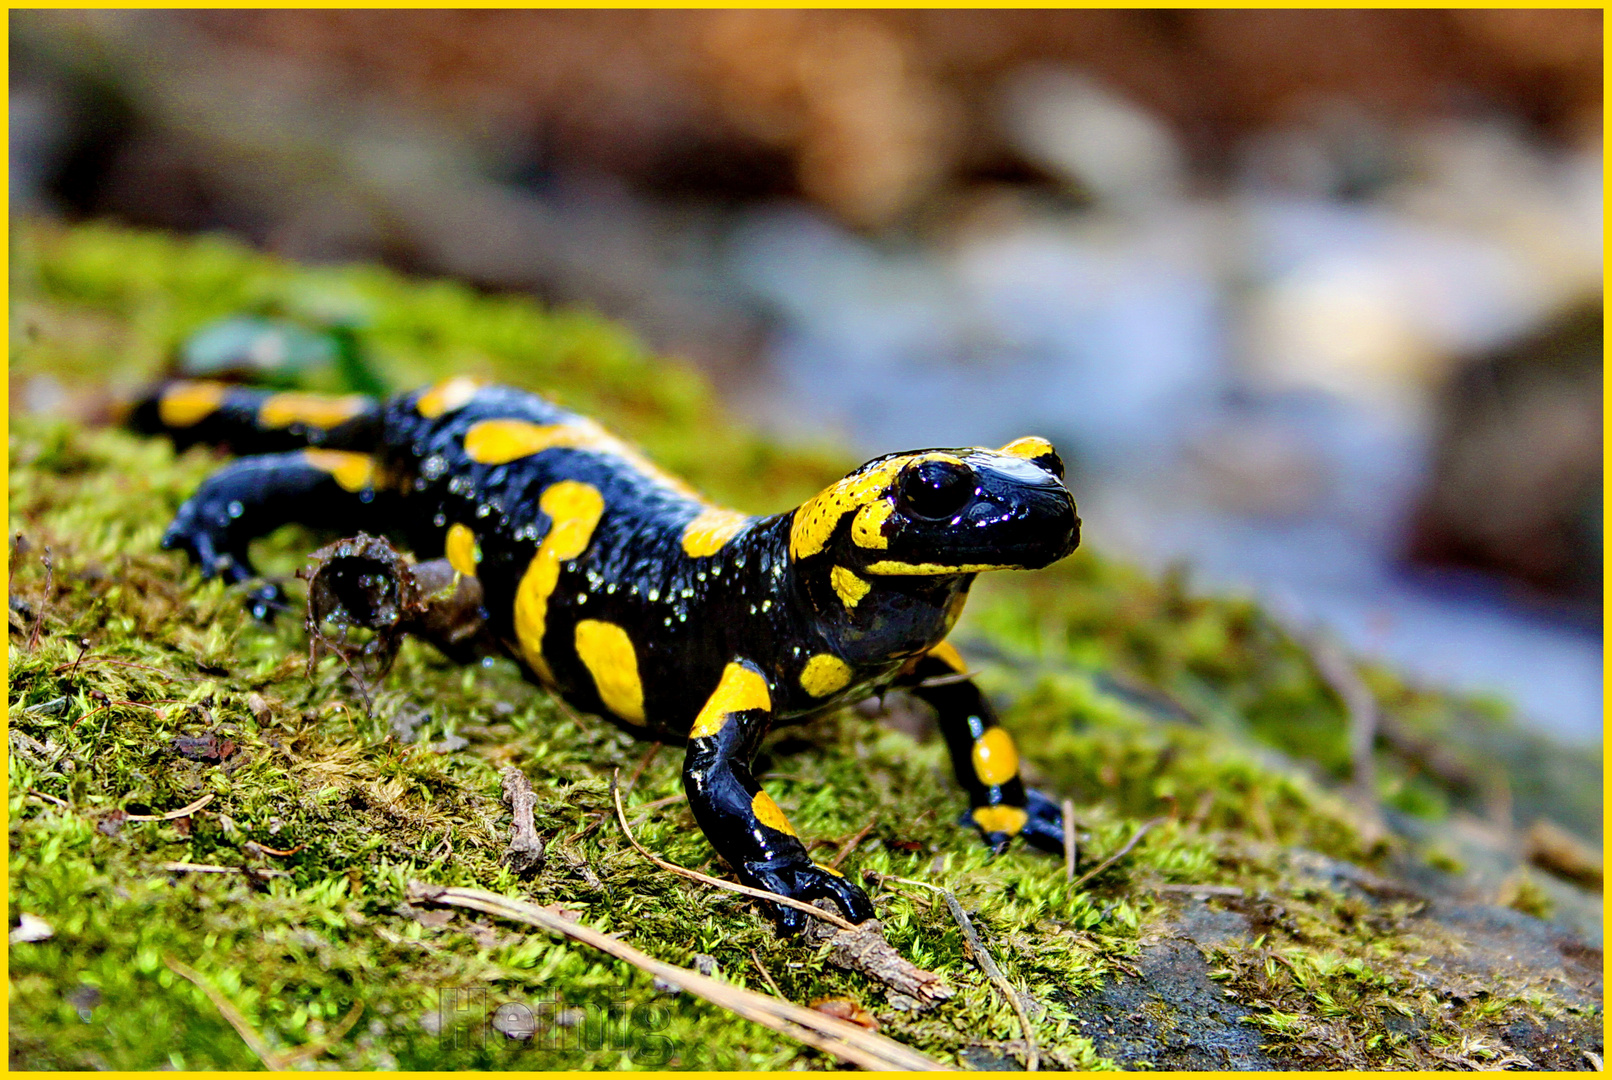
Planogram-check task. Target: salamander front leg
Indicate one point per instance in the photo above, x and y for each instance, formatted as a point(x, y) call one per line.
point(250, 497)
point(742, 822)
point(983, 756)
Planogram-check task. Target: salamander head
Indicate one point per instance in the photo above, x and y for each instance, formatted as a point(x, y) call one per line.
point(943, 512)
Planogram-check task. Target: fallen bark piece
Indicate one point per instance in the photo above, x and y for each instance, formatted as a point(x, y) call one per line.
point(846, 1009)
point(844, 1040)
point(524, 855)
point(864, 949)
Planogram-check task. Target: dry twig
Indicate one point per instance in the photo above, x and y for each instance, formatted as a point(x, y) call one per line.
point(524, 855)
point(987, 964)
point(844, 1040)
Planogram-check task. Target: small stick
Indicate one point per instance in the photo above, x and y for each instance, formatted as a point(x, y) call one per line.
point(763, 894)
point(525, 851)
point(49, 798)
point(1069, 840)
point(1135, 839)
point(765, 974)
point(987, 964)
point(174, 815)
point(850, 845)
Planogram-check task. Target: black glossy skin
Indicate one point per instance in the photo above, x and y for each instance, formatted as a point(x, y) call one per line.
point(705, 629)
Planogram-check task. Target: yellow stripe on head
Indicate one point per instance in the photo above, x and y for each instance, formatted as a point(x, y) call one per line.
point(824, 675)
point(851, 589)
point(186, 404)
point(447, 395)
point(315, 410)
point(574, 510)
point(867, 525)
point(710, 532)
point(354, 472)
point(461, 548)
point(816, 518)
point(741, 688)
point(606, 651)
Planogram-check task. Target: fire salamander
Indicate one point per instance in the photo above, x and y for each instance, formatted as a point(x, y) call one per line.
point(618, 587)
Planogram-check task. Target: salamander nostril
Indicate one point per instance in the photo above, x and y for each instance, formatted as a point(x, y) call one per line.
point(936, 489)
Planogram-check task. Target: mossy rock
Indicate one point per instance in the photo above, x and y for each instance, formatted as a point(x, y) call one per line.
point(137, 690)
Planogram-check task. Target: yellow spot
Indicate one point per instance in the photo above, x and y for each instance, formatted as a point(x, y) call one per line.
point(315, 410)
point(996, 760)
point(607, 652)
point(769, 815)
point(500, 441)
point(1001, 819)
point(446, 396)
point(889, 567)
point(1030, 447)
point(825, 675)
point(866, 528)
point(574, 510)
point(707, 534)
point(461, 548)
point(829, 869)
point(186, 404)
point(850, 587)
point(740, 688)
point(816, 518)
point(355, 472)
point(947, 654)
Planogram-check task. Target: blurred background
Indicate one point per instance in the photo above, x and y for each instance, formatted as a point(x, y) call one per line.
point(1311, 301)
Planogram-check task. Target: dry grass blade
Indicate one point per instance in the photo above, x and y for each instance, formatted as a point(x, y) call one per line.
point(1071, 852)
point(1136, 838)
point(760, 894)
point(246, 1031)
point(174, 815)
point(210, 868)
point(274, 1062)
point(319, 1046)
point(843, 1040)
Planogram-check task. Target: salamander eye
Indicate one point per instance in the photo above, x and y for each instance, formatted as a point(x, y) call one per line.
point(1051, 462)
point(935, 489)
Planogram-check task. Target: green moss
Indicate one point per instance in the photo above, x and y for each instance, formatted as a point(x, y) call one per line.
point(1129, 695)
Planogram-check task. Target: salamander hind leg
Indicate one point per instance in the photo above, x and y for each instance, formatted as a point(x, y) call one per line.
point(740, 819)
point(984, 758)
